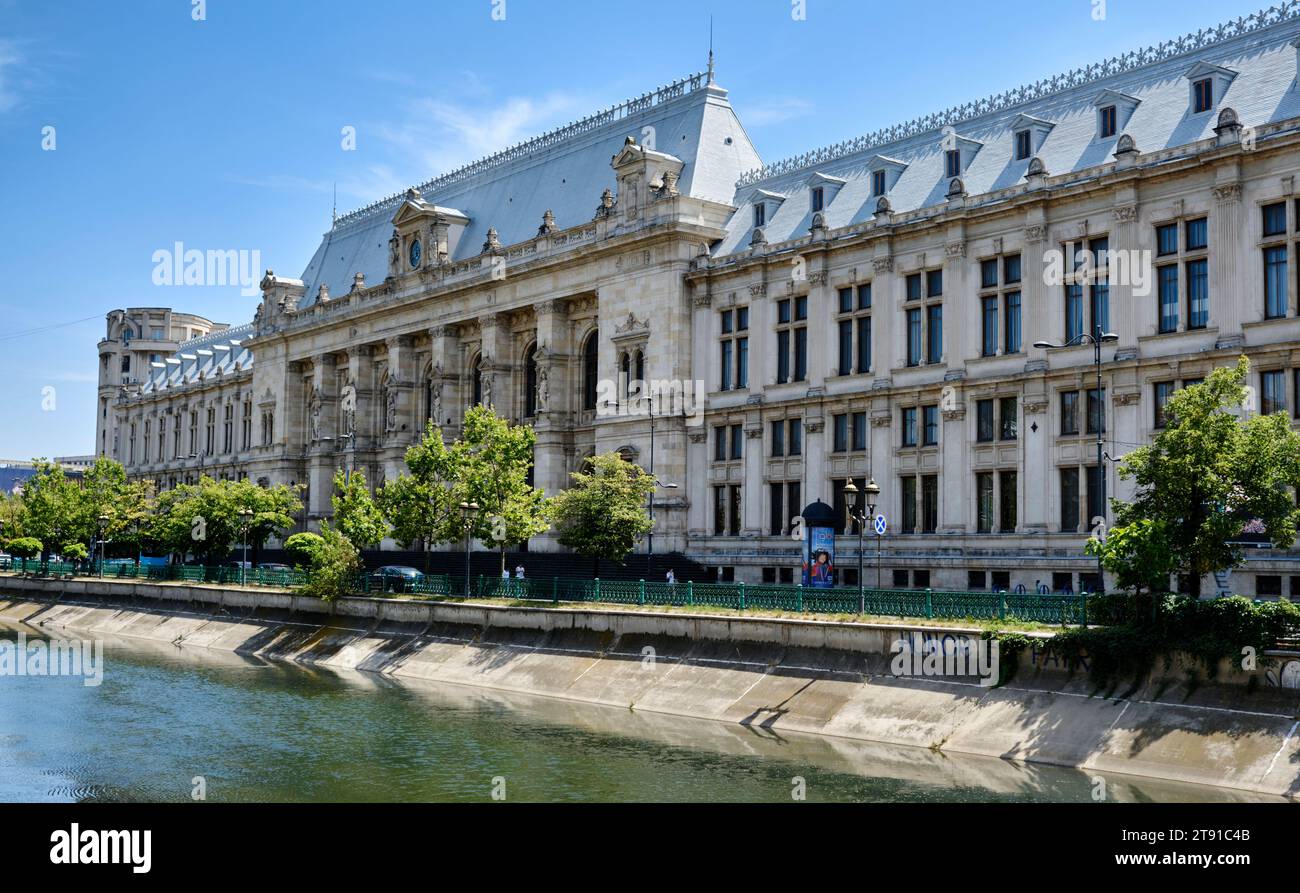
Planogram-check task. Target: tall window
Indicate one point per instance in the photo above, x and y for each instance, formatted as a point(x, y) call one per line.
point(984, 502)
point(1182, 259)
point(1276, 284)
point(147, 429)
point(1161, 391)
point(210, 442)
point(162, 437)
point(1106, 121)
point(194, 432)
point(853, 325)
point(476, 376)
point(1007, 494)
point(929, 425)
point(1069, 500)
point(1007, 418)
point(792, 339)
point(1096, 411)
point(246, 440)
point(736, 435)
point(1272, 391)
point(1024, 144)
point(777, 437)
point(929, 503)
point(228, 428)
point(925, 321)
point(983, 420)
point(530, 382)
point(1087, 287)
point(783, 506)
point(734, 353)
point(176, 436)
point(909, 426)
point(907, 521)
point(794, 436)
point(1000, 292)
point(1069, 413)
point(1202, 95)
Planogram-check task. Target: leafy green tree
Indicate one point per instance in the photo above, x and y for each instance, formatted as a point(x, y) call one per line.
point(26, 547)
point(334, 567)
point(204, 518)
point(11, 516)
point(488, 466)
point(1208, 475)
point(355, 513)
point(303, 548)
point(52, 507)
point(603, 515)
point(1140, 555)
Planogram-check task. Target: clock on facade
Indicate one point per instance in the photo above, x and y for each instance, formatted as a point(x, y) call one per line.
point(415, 253)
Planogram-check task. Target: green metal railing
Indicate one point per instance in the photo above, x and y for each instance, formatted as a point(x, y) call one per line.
point(930, 604)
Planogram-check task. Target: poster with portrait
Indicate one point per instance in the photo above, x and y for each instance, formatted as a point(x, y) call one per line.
point(819, 558)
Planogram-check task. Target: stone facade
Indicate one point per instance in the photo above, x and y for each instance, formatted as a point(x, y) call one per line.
point(874, 304)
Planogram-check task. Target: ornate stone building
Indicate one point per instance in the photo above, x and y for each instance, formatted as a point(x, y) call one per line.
point(867, 310)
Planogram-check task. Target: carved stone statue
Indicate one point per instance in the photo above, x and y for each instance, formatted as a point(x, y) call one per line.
point(390, 408)
point(314, 413)
point(487, 388)
point(348, 402)
point(543, 388)
point(435, 398)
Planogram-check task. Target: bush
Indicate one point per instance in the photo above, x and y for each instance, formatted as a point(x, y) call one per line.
point(26, 547)
point(334, 567)
point(304, 548)
point(75, 552)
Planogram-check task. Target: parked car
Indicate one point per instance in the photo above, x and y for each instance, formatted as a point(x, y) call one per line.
point(274, 566)
point(395, 578)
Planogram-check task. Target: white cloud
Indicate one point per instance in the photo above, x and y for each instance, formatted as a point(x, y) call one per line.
point(10, 59)
point(437, 136)
point(773, 111)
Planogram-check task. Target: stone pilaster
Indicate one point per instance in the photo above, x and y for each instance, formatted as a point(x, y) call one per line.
point(1229, 269)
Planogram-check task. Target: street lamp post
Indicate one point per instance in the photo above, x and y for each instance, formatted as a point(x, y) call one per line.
point(1096, 338)
point(871, 492)
point(245, 519)
point(468, 510)
point(103, 528)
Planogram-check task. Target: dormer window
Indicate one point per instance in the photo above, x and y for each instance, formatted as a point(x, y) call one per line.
point(760, 215)
point(1106, 122)
point(1202, 95)
point(952, 163)
point(1206, 85)
point(878, 183)
point(818, 199)
point(1024, 144)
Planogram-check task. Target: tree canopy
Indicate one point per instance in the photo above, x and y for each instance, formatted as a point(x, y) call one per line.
point(603, 515)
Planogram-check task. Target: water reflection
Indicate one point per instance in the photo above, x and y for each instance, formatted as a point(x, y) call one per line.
point(262, 731)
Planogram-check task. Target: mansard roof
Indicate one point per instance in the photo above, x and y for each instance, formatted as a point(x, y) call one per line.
point(205, 358)
point(1260, 49)
point(564, 171)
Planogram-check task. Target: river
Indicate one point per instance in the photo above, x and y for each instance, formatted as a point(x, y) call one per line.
point(166, 722)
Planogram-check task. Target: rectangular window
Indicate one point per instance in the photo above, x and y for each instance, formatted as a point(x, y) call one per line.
point(1007, 486)
point(1167, 239)
point(726, 366)
point(760, 215)
point(846, 300)
point(952, 159)
point(841, 422)
point(742, 362)
point(989, 327)
point(1096, 411)
point(914, 337)
point(929, 503)
point(846, 346)
point(864, 344)
point(1162, 390)
point(783, 356)
point(1275, 219)
point(800, 354)
point(818, 199)
point(1167, 289)
point(1069, 413)
point(1196, 235)
point(1094, 495)
point(733, 493)
point(1012, 322)
point(1106, 122)
point(737, 441)
point(1011, 269)
point(907, 521)
point(777, 430)
point(989, 273)
point(719, 511)
point(1069, 500)
point(930, 425)
point(796, 437)
point(1024, 144)
point(934, 333)
point(984, 502)
point(1204, 95)
point(1007, 417)
point(1273, 391)
point(859, 431)
point(934, 283)
point(1073, 311)
point(909, 426)
point(983, 420)
point(1198, 294)
point(914, 287)
point(877, 183)
point(1275, 282)
point(864, 296)
point(720, 443)
point(776, 509)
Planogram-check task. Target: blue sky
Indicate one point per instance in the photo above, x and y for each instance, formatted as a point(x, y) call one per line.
point(226, 133)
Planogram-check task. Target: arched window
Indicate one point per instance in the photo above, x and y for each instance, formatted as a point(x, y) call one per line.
point(530, 382)
point(637, 387)
point(625, 376)
point(477, 372)
point(590, 369)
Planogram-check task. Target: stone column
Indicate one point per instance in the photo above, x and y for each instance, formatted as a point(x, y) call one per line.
point(1036, 447)
point(322, 422)
point(753, 499)
point(445, 367)
point(955, 481)
point(497, 362)
point(555, 399)
point(1231, 265)
point(815, 484)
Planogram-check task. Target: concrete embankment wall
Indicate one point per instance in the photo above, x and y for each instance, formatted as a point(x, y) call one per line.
point(817, 677)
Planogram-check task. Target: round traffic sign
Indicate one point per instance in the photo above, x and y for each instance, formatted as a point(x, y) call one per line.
point(881, 525)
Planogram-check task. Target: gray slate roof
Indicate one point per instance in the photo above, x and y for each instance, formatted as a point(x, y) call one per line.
point(564, 171)
point(219, 353)
point(1259, 48)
